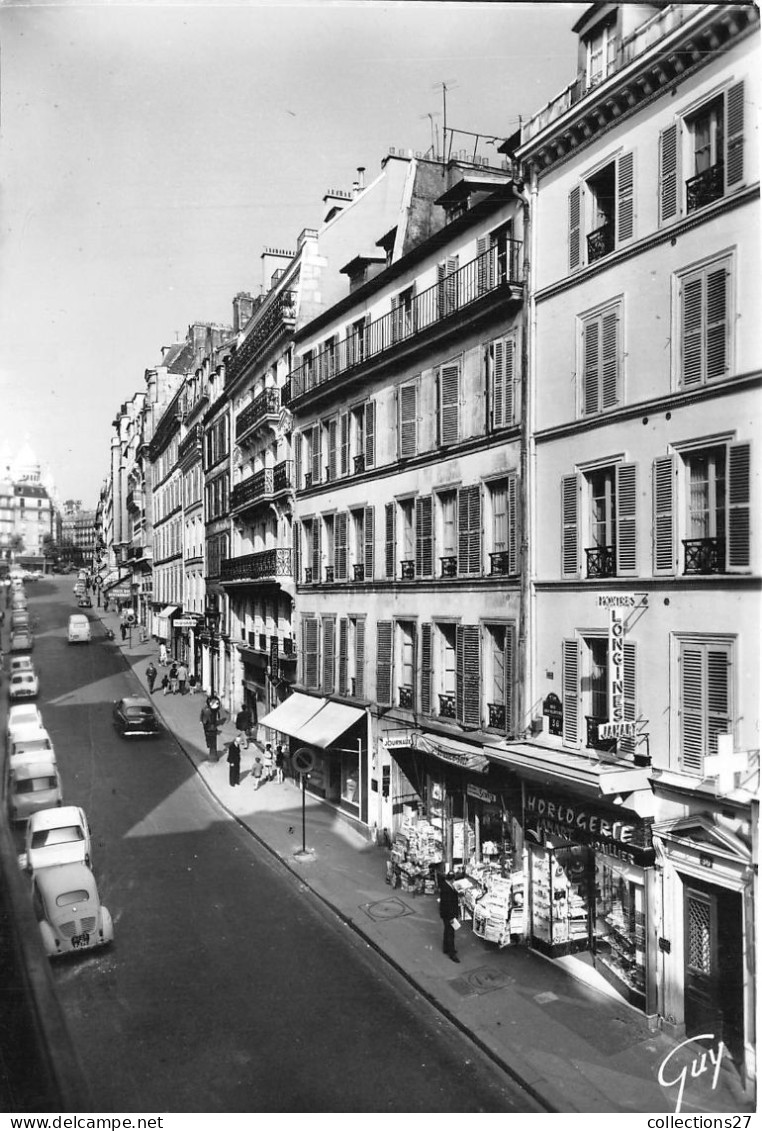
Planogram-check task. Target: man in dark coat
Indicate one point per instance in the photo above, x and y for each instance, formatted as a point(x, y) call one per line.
point(243, 724)
point(234, 762)
point(212, 718)
point(449, 909)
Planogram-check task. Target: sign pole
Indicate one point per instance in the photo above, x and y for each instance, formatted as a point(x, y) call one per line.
point(304, 815)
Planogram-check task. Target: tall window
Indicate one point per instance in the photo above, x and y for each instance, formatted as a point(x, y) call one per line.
point(599, 513)
point(585, 692)
point(447, 533)
point(705, 699)
point(601, 211)
point(705, 319)
point(498, 676)
point(448, 388)
point(503, 539)
point(407, 538)
point(407, 420)
point(405, 664)
point(600, 361)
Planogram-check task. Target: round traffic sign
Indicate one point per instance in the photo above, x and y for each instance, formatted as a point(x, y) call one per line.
point(303, 760)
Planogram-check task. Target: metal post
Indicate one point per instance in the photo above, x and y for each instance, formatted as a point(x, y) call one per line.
point(304, 816)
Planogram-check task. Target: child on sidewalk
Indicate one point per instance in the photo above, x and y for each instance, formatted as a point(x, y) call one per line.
point(256, 772)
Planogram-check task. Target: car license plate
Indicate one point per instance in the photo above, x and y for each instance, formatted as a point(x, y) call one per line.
point(80, 940)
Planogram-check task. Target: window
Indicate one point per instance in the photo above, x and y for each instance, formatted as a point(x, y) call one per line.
point(328, 673)
point(502, 497)
point(447, 534)
point(384, 663)
point(407, 420)
point(356, 343)
point(314, 573)
point(585, 693)
point(390, 540)
point(705, 699)
point(602, 212)
point(331, 466)
point(444, 670)
point(310, 651)
point(403, 315)
point(405, 664)
point(498, 676)
point(600, 361)
point(407, 539)
point(352, 657)
point(447, 286)
point(599, 511)
point(702, 501)
point(340, 546)
point(601, 48)
point(709, 144)
point(363, 436)
point(329, 548)
point(424, 536)
point(501, 378)
point(468, 675)
point(705, 317)
point(448, 388)
point(469, 530)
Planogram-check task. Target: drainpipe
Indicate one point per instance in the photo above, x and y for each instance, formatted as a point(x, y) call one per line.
point(527, 642)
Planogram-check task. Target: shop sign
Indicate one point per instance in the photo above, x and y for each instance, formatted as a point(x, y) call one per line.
point(186, 622)
point(616, 601)
point(616, 666)
point(587, 824)
point(481, 794)
point(617, 730)
point(398, 741)
point(119, 592)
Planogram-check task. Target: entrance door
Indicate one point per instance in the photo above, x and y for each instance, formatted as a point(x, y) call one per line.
point(713, 964)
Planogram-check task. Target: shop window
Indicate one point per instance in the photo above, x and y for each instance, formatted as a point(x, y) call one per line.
point(620, 924)
point(560, 899)
point(599, 507)
point(600, 361)
point(706, 691)
point(702, 505)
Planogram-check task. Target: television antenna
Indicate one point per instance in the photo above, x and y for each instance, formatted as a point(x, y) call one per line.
point(445, 84)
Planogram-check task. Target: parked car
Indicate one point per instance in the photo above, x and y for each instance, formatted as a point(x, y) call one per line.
point(56, 836)
point(69, 910)
point(21, 664)
point(23, 685)
point(23, 716)
point(32, 786)
point(19, 620)
point(85, 602)
point(79, 629)
point(22, 640)
point(135, 717)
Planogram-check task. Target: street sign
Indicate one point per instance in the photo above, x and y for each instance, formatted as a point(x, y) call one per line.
point(303, 760)
point(186, 622)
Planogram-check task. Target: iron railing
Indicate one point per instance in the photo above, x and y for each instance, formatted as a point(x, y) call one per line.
point(704, 555)
point(266, 404)
point(500, 563)
point(705, 187)
point(283, 476)
point(497, 715)
point(495, 268)
point(601, 561)
point(255, 567)
point(449, 566)
point(270, 319)
point(446, 706)
point(406, 698)
point(407, 569)
point(359, 570)
point(600, 241)
point(257, 486)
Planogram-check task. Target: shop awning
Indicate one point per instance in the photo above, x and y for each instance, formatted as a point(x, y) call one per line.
point(328, 724)
point(291, 715)
point(451, 751)
point(169, 611)
point(594, 776)
point(116, 579)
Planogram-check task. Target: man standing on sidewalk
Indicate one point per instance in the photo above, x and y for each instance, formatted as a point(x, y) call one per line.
point(449, 912)
point(182, 677)
point(151, 674)
point(212, 719)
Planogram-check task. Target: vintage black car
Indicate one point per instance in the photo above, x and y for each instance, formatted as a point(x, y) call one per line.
point(134, 717)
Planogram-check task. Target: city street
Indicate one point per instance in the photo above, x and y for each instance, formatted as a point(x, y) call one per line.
point(229, 987)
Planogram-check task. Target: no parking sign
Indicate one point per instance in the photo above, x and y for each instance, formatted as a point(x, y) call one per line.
point(303, 760)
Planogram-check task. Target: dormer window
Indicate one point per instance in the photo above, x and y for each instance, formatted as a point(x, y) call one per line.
point(601, 54)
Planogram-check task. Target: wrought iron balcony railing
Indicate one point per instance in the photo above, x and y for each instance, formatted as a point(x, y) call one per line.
point(406, 698)
point(359, 570)
point(407, 569)
point(446, 706)
point(592, 740)
point(256, 567)
point(266, 405)
point(704, 555)
point(496, 268)
point(705, 187)
point(601, 561)
point(256, 487)
point(600, 242)
point(449, 566)
point(329, 575)
point(359, 463)
point(497, 715)
point(500, 563)
point(283, 476)
point(271, 318)
point(308, 573)
point(285, 393)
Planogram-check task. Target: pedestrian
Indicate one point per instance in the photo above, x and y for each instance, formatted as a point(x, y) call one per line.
point(243, 724)
point(165, 683)
point(182, 677)
point(105, 604)
point(449, 912)
point(279, 762)
point(212, 717)
point(151, 674)
point(173, 679)
point(163, 654)
point(234, 762)
point(268, 762)
point(256, 772)
point(123, 630)
point(192, 684)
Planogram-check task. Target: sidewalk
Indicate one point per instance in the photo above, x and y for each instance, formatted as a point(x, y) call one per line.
point(572, 1043)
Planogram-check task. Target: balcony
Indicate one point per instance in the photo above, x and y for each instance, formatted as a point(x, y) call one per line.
point(500, 564)
point(263, 408)
point(601, 561)
point(497, 268)
point(254, 489)
point(704, 555)
point(446, 706)
point(329, 575)
point(359, 571)
point(592, 741)
point(359, 464)
point(285, 393)
point(449, 567)
point(192, 441)
point(406, 698)
point(283, 476)
point(264, 566)
point(705, 187)
point(497, 715)
point(600, 242)
point(275, 316)
point(407, 569)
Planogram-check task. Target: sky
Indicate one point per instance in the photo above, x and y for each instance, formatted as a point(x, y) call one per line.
point(150, 151)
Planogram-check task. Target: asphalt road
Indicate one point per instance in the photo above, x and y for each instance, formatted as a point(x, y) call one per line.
point(229, 986)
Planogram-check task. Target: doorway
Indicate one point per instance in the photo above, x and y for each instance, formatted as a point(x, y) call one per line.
point(713, 963)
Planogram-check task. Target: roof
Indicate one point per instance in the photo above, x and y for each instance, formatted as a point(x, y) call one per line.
point(57, 818)
point(63, 877)
point(41, 769)
point(362, 260)
point(474, 182)
point(136, 701)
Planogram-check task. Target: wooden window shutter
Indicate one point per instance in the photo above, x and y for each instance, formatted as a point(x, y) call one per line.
point(482, 266)
point(370, 434)
point(316, 453)
point(625, 187)
point(590, 364)
point(469, 530)
point(513, 524)
point(297, 536)
point(716, 322)
point(317, 559)
point(663, 516)
point(692, 697)
point(571, 689)
point(570, 489)
point(370, 541)
point(692, 315)
point(344, 440)
point(426, 631)
point(449, 403)
point(503, 362)
point(310, 649)
point(396, 318)
point(384, 663)
point(340, 546)
point(424, 549)
point(468, 675)
point(626, 746)
point(738, 537)
point(408, 420)
point(668, 173)
point(509, 390)
point(451, 283)
point(297, 444)
point(734, 125)
point(390, 533)
point(343, 688)
point(717, 696)
point(509, 667)
point(626, 520)
point(332, 430)
point(610, 359)
point(360, 658)
point(575, 227)
point(329, 628)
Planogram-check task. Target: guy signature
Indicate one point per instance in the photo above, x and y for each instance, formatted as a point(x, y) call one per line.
point(697, 1067)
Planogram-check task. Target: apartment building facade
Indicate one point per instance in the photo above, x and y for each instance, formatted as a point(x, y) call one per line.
point(639, 791)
